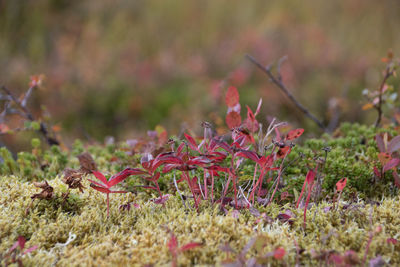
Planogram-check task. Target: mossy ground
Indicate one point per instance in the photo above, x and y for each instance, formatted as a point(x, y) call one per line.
point(139, 236)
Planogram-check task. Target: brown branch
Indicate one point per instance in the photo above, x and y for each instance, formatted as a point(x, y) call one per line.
point(278, 82)
point(28, 115)
point(378, 107)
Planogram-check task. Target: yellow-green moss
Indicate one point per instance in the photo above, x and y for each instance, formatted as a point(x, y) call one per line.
point(138, 236)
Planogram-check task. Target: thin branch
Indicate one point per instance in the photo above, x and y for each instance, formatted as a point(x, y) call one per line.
point(28, 115)
point(378, 107)
point(278, 82)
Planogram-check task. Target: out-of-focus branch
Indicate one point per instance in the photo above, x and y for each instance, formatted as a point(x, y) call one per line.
point(388, 72)
point(277, 80)
point(24, 112)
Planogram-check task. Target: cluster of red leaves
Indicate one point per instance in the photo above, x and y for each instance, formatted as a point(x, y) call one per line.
point(105, 185)
point(388, 157)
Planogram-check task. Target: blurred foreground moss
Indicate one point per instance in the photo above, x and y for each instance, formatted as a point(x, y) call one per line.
point(138, 236)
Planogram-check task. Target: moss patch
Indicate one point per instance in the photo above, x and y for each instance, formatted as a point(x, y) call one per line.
point(138, 236)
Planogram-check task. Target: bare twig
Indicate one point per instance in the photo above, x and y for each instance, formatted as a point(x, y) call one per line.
point(278, 82)
point(388, 72)
point(28, 115)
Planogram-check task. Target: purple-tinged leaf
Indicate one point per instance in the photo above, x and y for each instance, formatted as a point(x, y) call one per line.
point(161, 200)
point(376, 262)
point(380, 143)
point(168, 167)
point(255, 212)
point(224, 145)
point(249, 155)
point(396, 179)
point(391, 164)
point(394, 144)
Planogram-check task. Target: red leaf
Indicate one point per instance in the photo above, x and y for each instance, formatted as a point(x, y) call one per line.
point(282, 152)
point(341, 184)
point(232, 96)
point(392, 241)
point(377, 172)
point(29, 250)
point(249, 155)
point(251, 122)
point(279, 253)
point(310, 177)
point(396, 179)
point(192, 143)
point(394, 144)
point(294, 134)
point(119, 177)
point(384, 158)
point(380, 143)
point(99, 188)
point(100, 176)
point(190, 246)
point(172, 243)
point(233, 119)
point(21, 242)
point(391, 164)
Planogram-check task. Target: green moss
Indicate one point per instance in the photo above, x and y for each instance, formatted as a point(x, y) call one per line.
point(138, 236)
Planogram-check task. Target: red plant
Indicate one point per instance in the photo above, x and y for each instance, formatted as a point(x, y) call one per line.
point(175, 250)
point(388, 162)
point(233, 118)
point(184, 162)
point(340, 185)
point(105, 184)
point(310, 181)
point(13, 257)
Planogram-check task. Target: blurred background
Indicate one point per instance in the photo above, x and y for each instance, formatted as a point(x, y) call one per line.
point(122, 67)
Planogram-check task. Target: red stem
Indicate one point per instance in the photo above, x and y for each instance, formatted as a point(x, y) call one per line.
point(279, 176)
point(301, 194)
point(191, 189)
point(212, 187)
point(205, 185)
